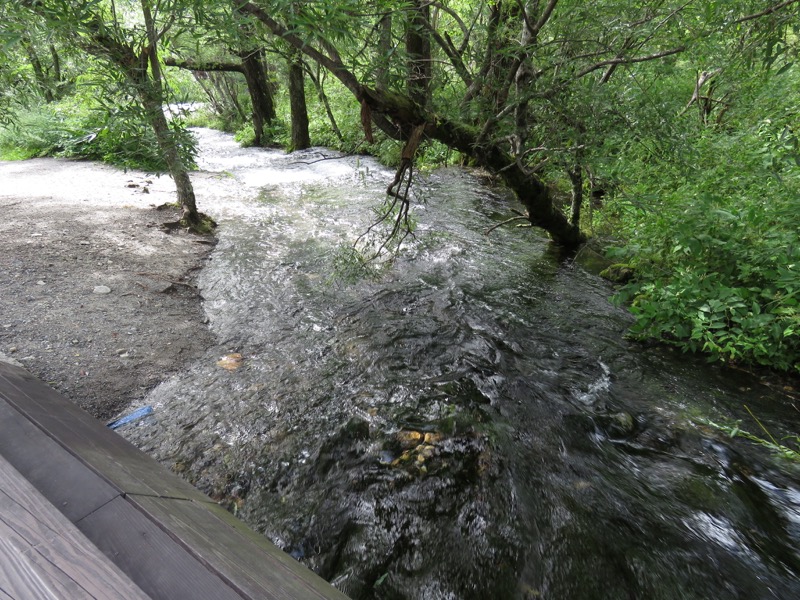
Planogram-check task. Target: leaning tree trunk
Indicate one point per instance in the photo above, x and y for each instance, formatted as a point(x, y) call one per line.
point(297, 101)
point(151, 94)
point(531, 191)
point(100, 41)
point(392, 111)
point(260, 92)
point(152, 102)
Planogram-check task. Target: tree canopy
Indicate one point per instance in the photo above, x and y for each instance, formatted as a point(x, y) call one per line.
point(665, 127)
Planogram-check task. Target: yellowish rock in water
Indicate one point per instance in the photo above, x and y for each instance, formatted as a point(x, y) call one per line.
point(403, 458)
point(409, 439)
point(231, 362)
point(433, 438)
point(426, 450)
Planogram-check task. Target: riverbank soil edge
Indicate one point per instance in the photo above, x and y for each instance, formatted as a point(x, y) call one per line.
point(97, 297)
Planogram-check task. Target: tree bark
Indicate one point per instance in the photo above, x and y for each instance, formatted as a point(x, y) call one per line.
point(56, 64)
point(38, 71)
point(177, 169)
point(297, 102)
point(523, 78)
point(531, 191)
point(191, 65)
point(576, 179)
point(260, 93)
point(418, 49)
point(384, 49)
point(151, 92)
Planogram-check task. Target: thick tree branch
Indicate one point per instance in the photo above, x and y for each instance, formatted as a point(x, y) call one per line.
point(452, 53)
point(628, 61)
point(191, 65)
point(766, 12)
point(546, 14)
point(491, 38)
point(334, 65)
point(455, 16)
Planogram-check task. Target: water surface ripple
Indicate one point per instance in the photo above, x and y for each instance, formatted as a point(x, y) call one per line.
point(471, 425)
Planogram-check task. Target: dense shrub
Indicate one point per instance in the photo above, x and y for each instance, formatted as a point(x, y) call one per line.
point(75, 128)
point(718, 256)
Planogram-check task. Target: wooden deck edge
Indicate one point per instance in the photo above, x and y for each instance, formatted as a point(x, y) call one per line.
point(43, 554)
point(118, 496)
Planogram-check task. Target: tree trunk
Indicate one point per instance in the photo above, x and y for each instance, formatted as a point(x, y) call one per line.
point(38, 71)
point(260, 93)
point(418, 48)
point(529, 189)
point(57, 78)
point(297, 101)
point(151, 99)
point(56, 63)
point(384, 49)
point(152, 96)
point(101, 42)
point(576, 178)
point(522, 79)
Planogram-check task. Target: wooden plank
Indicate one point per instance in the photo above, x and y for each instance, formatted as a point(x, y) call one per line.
point(43, 555)
point(149, 556)
point(104, 451)
point(250, 561)
point(170, 539)
point(27, 575)
point(64, 480)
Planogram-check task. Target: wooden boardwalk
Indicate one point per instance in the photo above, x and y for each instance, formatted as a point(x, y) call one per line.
point(43, 555)
point(84, 514)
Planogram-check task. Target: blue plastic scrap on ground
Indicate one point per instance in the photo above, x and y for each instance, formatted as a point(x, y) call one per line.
point(130, 418)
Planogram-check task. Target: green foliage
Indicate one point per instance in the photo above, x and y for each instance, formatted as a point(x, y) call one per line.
point(790, 450)
point(78, 127)
point(245, 135)
point(435, 154)
point(706, 207)
point(717, 254)
point(388, 152)
point(351, 266)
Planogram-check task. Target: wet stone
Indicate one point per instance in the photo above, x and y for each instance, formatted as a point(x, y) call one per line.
point(356, 429)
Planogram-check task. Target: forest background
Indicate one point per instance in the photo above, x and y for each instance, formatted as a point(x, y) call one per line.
point(660, 132)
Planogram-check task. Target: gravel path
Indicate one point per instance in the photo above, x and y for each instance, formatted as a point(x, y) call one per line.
point(96, 299)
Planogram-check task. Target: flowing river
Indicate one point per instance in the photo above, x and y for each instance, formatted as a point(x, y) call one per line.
point(472, 423)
